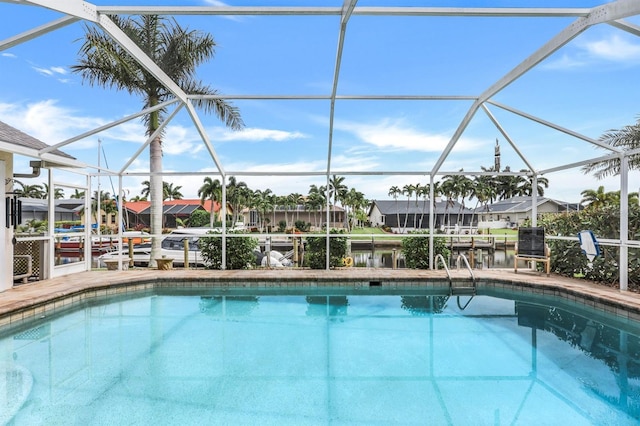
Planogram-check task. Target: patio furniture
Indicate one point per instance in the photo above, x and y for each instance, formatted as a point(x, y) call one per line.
point(531, 247)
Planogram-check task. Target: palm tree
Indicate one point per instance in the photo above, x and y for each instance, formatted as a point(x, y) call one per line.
point(632, 198)
point(77, 194)
point(510, 185)
point(29, 191)
point(58, 193)
point(262, 203)
point(178, 52)
point(598, 198)
point(394, 191)
point(171, 192)
point(337, 190)
point(355, 202)
point(315, 201)
point(146, 189)
point(407, 190)
point(526, 187)
point(236, 196)
point(450, 189)
point(212, 190)
point(422, 191)
point(484, 190)
point(628, 138)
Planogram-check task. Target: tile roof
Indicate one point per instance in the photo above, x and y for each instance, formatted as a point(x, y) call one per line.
point(172, 206)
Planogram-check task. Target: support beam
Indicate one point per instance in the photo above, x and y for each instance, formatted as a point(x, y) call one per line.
point(623, 263)
point(507, 137)
point(36, 32)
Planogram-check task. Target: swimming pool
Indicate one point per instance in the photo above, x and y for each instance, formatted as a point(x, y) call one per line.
point(330, 356)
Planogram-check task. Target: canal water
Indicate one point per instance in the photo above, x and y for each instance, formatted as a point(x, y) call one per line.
point(383, 258)
point(479, 259)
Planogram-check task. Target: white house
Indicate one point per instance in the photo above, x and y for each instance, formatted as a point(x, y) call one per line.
point(14, 143)
point(513, 211)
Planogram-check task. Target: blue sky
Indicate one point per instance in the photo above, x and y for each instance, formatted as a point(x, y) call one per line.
point(588, 86)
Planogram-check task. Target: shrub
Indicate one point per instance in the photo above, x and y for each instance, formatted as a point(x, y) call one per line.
point(416, 250)
point(239, 251)
point(317, 250)
point(199, 218)
point(302, 226)
point(567, 257)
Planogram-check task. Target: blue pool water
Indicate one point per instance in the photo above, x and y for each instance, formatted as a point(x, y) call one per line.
point(319, 359)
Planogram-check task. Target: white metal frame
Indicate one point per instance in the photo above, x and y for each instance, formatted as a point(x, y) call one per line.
point(612, 13)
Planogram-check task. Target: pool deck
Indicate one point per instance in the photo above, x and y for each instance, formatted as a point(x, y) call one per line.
point(37, 298)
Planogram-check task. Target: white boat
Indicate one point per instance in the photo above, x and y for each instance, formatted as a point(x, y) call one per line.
point(172, 247)
point(276, 260)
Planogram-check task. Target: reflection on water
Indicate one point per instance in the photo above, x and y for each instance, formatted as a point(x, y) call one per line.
point(478, 259)
point(424, 305)
point(327, 305)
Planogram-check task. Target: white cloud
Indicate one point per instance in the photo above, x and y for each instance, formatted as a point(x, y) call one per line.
point(399, 135)
point(44, 71)
point(48, 122)
point(51, 71)
point(564, 62)
point(254, 135)
point(614, 48)
point(180, 140)
point(8, 55)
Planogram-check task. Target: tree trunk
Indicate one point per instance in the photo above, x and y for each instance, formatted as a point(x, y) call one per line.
point(155, 192)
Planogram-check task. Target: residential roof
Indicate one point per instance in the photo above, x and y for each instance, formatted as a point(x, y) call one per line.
point(173, 206)
point(522, 204)
point(180, 209)
point(388, 207)
point(42, 205)
point(16, 138)
point(136, 206)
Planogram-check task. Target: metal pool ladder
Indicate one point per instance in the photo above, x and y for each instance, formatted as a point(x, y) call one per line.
point(459, 290)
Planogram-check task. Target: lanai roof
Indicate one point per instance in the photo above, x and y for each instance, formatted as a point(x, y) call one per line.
point(15, 141)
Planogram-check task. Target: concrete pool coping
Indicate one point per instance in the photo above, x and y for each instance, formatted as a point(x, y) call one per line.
point(41, 298)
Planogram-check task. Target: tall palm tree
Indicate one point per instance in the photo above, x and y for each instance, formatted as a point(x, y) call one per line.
point(394, 191)
point(316, 200)
point(422, 191)
point(450, 188)
point(236, 196)
point(262, 204)
point(628, 138)
point(408, 190)
point(355, 201)
point(484, 190)
point(337, 190)
point(178, 52)
point(211, 190)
